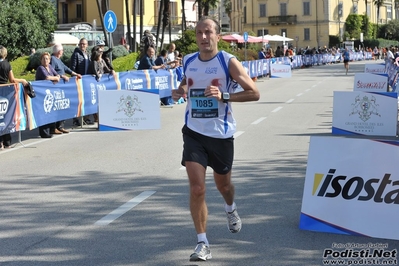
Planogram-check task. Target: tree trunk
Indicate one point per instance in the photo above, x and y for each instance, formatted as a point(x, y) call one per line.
point(183, 21)
point(159, 23)
point(166, 17)
point(102, 9)
point(134, 26)
point(129, 40)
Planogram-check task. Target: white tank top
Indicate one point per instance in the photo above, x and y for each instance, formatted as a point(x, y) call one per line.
point(208, 116)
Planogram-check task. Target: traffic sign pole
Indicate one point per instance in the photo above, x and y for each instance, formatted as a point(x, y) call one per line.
point(245, 35)
point(110, 23)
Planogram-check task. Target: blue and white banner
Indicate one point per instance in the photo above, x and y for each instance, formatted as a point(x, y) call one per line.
point(12, 115)
point(363, 113)
point(129, 110)
point(280, 71)
point(351, 187)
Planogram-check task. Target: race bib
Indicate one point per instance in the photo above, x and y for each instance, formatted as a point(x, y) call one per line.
point(202, 106)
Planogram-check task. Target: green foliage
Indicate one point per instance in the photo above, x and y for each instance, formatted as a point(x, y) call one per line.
point(125, 63)
point(26, 24)
point(366, 27)
point(353, 26)
point(390, 31)
point(379, 43)
point(19, 68)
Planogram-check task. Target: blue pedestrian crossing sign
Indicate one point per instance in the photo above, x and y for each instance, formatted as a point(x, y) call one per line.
point(110, 21)
point(245, 35)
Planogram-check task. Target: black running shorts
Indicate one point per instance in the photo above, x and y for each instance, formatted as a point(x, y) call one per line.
point(213, 152)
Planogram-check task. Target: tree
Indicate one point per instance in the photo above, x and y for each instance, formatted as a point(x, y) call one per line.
point(204, 6)
point(392, 30)
point(26, 24)
point(353, 26)
point(378, 3)
point(228, 9)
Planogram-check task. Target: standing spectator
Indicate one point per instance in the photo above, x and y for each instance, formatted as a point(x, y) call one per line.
point(161, 61)
point(269, 53)
point(32, 51)
point(376, 53)
point(279, 52)
point(147, 41)
point(261, 54)
point(123, 40)
point(46, 72)
point(105, 54)
point(6, 75)
point(147, 62)
point(210, 125)
point(80, 61)
point(98, 66)
point(62, 70)
point(171, 52)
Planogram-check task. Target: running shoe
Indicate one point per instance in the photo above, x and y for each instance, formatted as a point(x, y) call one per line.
point(233, 221)
point(201, 253)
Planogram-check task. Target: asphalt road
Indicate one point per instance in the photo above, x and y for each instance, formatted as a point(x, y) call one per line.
point(121, 198)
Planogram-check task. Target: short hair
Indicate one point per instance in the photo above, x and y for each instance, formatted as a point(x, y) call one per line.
point(217, 26)
point(44, 54)
point(57, 47)
point(3, 52)
point(164, 52)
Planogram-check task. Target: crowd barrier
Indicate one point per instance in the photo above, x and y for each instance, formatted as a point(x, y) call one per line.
point(78, 97)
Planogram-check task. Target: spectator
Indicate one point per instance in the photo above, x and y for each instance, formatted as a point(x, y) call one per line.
point(62, 70)
point(32, 51)
point(98, 66)
point(147, 41)
point(123, 40)
point(269, 53)
point(161, 59)
point(261, 54)
point(147, 62)
point(279, 52)
point(80, 61)
point(376, 53)
point(6, 75)
point(105, 54)
point(171, 52)
point(46, 72)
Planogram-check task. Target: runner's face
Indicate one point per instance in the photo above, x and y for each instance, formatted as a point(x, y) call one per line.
point(207, 38)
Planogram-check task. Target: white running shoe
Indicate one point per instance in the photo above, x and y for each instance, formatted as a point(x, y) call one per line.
point(201, 253)
point(233, 221)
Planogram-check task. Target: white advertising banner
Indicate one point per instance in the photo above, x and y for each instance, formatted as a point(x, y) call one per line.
point(365, 113)
point(374, 68)
point(352, 187)
point(129, 110)
point(280, 71)
point(370, 82)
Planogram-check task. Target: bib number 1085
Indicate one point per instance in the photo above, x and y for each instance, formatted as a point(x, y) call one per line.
point(203, 103)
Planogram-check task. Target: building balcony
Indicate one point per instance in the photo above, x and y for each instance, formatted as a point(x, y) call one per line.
point(277, 20)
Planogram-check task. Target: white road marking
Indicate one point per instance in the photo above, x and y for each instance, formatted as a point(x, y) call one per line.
point(299, 95)
point(307, 90)
point(290, 101)
point(314, 85)
point(112, 216)
point(258, 121)
point(277, 109)
point(238, 133)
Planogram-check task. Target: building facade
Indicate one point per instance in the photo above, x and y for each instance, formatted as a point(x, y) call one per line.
point(309, 22)
point(73, 13)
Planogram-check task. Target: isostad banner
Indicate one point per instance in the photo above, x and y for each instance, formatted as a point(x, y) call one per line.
point(12, 115)
point(351, 187)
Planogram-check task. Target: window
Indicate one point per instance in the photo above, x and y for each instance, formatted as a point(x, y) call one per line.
point(245, 15)
point(262, 10)
point(283, 9)
point(173, 12)
point(78, 10)
point(368, 12)
point(263, 32)
point(306, 8)
point(306, 33)
point(138, 8)
point(283, 31)
point(389, 12)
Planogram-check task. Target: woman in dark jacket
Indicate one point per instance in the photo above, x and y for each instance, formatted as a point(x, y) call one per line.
point(6, 76)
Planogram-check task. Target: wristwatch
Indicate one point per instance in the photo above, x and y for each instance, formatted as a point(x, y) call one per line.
point(225, 97)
